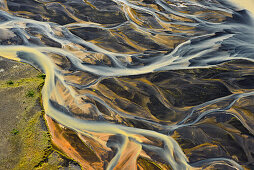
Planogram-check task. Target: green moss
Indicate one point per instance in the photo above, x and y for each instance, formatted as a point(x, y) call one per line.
point(30, 143)
point(57, 160)
point(10, 82)
point(52, 163)
point(14, 131)
point(30, 93)
point(42, 76)
point(35, 142)
point(37, 152)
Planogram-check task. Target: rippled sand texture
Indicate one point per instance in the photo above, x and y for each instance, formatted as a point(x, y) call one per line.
point(142, 84)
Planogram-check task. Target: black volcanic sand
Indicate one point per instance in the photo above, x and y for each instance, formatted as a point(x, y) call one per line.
point(217, 135)
point(25, 141)
point(55, 12)
point(24, 136)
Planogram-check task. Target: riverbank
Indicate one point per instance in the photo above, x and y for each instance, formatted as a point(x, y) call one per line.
point(25, 140)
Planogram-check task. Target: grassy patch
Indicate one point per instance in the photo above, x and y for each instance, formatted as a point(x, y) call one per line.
point(32, 81)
